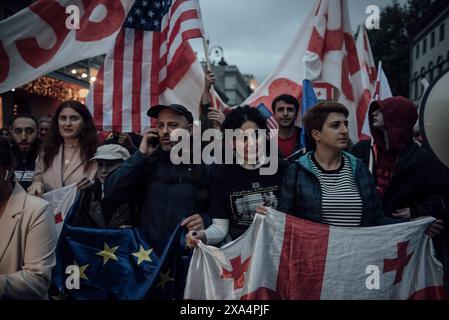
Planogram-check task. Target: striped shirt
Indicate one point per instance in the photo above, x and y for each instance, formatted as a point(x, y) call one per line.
point(341, 203)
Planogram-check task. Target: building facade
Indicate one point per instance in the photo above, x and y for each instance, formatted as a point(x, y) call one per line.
point(429, 48)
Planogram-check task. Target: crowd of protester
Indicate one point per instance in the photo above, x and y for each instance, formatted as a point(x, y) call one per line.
point(128, 180)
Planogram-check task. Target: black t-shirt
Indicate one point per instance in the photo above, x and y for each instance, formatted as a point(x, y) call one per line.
point(236, 192)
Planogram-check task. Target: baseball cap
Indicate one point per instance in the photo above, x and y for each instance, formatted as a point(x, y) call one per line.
point(153, 112)
point(111, 152)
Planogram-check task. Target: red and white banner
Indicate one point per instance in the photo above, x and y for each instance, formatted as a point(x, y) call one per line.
point(283, 257)
point(331, 56)
point(61, 201)
point(324, 52)
point(368, 76)
point(288, 75)
point(37, 40)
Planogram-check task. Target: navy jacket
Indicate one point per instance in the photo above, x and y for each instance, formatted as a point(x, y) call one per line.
point(300, 192)
point(165, 192)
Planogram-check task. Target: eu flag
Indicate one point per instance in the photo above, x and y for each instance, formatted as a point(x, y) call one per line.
point(117, 264)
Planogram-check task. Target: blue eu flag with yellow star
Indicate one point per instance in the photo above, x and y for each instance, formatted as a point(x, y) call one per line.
point(117, 263)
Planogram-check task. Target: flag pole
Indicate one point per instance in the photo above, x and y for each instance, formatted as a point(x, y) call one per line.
point(206, 55)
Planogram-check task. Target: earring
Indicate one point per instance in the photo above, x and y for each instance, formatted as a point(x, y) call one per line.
point(5, 178)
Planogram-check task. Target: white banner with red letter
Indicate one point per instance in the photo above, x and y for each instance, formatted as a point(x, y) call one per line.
point(40, 38)
point(283, 257)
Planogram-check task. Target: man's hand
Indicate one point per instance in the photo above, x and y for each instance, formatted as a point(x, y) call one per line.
point(192, 238)
point(402, 213)
point(435, 228)
point(145, 146)
point(209, 80)
point(194, 222)
point(125, 140)
point(217, 116)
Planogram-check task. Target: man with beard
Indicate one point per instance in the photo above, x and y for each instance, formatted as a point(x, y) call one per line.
point(285, 109)
point(25, 147)
point(166, 193)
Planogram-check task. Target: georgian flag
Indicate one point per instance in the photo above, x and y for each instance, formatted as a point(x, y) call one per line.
point(283, 257)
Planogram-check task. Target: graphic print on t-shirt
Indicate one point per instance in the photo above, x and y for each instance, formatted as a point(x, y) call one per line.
point(244, 203)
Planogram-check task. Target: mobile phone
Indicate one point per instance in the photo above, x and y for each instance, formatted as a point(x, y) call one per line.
point(154, 141)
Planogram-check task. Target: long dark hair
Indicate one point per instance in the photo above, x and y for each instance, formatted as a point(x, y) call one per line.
point(88, 137)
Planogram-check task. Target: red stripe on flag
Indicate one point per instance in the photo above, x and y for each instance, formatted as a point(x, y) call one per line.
point(181, 63)
point(137, 79)
point(98, 99)
point(117, 97)
point(175, 6)
point(155, 68)
point(303, 259)
point(186, 15)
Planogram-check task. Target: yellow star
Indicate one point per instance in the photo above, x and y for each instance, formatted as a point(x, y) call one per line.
point(108, 253)
point(142, 255)
point(164, 279)
point(82, 270)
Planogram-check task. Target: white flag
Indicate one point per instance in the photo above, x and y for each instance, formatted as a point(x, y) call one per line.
point(61, 201)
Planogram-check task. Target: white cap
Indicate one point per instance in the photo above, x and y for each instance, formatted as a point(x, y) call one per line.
point(111, 152)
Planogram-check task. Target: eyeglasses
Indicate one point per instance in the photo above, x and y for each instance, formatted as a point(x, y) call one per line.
point(19, 131)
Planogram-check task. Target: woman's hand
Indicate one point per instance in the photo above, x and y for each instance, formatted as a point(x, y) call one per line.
point(194, 222)
point(37, 189)
point(402, 213)
point(192, 238)
point(435, 228)
point(261, 209)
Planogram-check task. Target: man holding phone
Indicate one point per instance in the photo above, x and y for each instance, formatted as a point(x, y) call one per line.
point(165, 192)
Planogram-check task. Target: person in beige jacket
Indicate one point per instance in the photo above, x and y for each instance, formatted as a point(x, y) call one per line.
point(64, 159)
point(27, 237)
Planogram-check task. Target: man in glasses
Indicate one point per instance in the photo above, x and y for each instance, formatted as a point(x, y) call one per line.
point(25, 148)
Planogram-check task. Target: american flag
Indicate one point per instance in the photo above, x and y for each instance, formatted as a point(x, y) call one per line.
point(151, 54)
point(271, 121)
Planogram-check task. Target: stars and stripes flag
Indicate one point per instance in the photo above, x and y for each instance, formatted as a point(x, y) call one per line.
point(151, 55)
point(271, 121)
point(284, 257)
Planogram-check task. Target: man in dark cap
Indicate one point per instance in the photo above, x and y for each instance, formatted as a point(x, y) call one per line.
point(167, 193)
